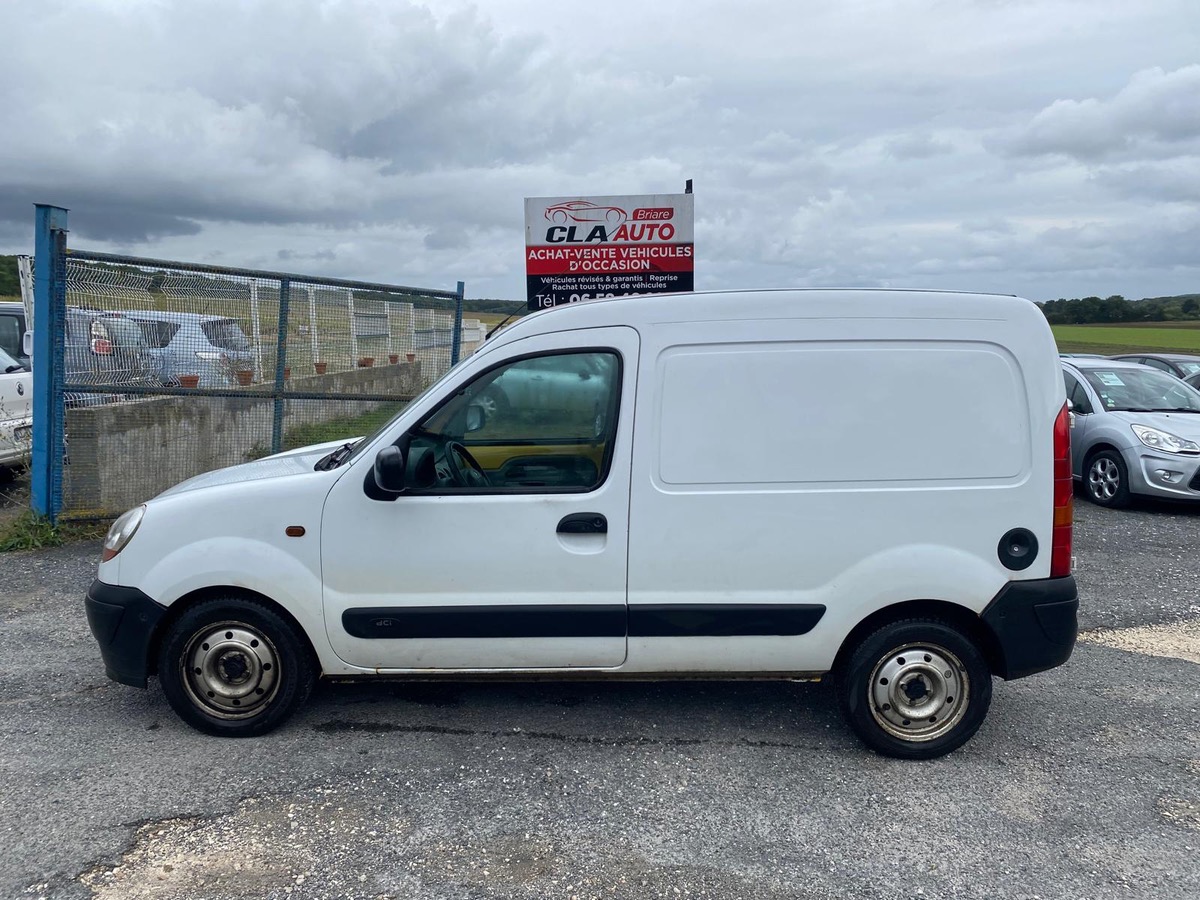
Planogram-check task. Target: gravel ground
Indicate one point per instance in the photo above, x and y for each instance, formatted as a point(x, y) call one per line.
point(1083, 782)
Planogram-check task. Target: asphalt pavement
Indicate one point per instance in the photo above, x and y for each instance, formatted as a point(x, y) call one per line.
point(1084, 781)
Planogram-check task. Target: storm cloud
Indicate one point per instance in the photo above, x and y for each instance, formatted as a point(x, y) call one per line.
point(1048, 148)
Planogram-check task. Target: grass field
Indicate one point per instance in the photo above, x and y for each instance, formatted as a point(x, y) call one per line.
point(1183, 337)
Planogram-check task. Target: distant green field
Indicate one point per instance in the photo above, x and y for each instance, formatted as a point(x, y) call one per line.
point(1110, 339)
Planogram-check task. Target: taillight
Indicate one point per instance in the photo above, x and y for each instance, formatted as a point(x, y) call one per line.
point(1060, 541)
point(101, 346)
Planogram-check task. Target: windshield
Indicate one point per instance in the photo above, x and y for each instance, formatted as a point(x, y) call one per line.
point(12, 328)
point(1189, 367)
point(1142, 389)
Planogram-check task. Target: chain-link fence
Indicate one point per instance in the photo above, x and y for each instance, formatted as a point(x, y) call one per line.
point(163, 370)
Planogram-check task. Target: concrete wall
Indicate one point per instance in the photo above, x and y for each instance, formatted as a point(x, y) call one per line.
point(121, 454)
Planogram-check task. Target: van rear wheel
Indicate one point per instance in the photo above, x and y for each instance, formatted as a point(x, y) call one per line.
point(915, 689)
point(234, 667)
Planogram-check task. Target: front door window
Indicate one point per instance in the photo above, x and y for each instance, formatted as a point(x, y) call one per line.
point(544, 423)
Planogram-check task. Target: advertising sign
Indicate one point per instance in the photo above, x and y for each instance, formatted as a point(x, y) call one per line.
point(586, 248)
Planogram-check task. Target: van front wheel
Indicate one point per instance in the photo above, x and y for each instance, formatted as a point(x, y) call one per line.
point(915, 689)
point(234, 667)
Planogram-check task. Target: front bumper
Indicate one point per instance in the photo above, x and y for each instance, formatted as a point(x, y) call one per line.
point(1034, 625)
point(123, 621)
point(1172, 476)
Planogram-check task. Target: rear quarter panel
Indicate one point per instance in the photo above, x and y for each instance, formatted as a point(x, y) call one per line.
point(855, 463)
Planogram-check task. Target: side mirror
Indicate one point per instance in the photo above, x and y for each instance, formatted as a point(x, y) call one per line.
point(476, 417)
point(389, 470)
point(1070, 414)
point(27, 344)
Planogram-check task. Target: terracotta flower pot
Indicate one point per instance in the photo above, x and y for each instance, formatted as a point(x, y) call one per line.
point(411, 357)
point(320, 367)
point(244, 377)
point(189, 381)
point(287, 373)
point(365, 362)
point(393, 358)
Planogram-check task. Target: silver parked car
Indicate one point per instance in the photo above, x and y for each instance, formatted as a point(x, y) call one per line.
point(212, 347)
point(1136, 431)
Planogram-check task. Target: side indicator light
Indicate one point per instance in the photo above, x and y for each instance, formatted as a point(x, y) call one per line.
point(294, 531)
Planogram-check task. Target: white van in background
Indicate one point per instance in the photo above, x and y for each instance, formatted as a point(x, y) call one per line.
point(16, 413)
point(791, 484)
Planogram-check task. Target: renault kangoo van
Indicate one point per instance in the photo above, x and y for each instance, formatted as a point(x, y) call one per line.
point(866, 485)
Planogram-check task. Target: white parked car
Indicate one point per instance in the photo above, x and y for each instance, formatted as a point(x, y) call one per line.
point(16, 412)
point(873, 486)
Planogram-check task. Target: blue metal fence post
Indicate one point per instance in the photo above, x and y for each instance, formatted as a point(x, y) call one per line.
point(456, 341)
point(285, 293)
point(49, 312)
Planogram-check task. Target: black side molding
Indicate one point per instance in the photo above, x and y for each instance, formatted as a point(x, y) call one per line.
point(723, 619)
point(599, 620)
point(1034, 624)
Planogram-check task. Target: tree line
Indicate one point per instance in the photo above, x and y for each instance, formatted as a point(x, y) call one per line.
point(1093, 310)
point(10, 283)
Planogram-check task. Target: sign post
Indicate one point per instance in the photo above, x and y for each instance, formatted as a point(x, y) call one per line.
point(588, 248)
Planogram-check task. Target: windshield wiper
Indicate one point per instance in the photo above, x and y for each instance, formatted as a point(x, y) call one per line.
point(1174, 409)
point(336, 458)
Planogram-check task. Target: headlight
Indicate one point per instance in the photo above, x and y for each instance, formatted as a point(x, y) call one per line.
point(1164, 440)
point(122, 530)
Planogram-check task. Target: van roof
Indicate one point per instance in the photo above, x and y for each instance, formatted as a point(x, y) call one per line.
point(795, 303)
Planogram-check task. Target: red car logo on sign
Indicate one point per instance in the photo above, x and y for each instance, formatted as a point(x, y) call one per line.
point(585, 211)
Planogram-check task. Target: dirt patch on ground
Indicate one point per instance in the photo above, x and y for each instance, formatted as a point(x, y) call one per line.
point(1179, 641)
point(265, 847)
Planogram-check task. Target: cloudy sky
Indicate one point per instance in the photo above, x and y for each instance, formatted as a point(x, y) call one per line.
point(1047, 148)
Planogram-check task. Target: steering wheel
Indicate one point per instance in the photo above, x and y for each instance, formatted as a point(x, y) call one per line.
point(465, 471)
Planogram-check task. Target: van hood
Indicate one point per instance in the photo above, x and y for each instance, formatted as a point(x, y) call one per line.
point(1184, 425)
point(293, 462)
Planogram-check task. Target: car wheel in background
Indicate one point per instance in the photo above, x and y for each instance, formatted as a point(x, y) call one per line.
point(1106, 479)
point(495, 401)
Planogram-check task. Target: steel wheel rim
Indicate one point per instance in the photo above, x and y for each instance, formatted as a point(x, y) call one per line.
point(231, 670)
point(1104, 478)
point(918, 692)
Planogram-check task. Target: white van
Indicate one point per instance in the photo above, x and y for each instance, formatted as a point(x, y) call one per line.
point(16, 413)
point(789, 484)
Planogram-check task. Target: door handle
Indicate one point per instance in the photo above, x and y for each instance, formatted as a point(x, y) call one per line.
point(583, 523)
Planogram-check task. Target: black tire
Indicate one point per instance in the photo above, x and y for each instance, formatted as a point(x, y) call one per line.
point(1106, 479)
point(896, 696)
point(235, 667)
